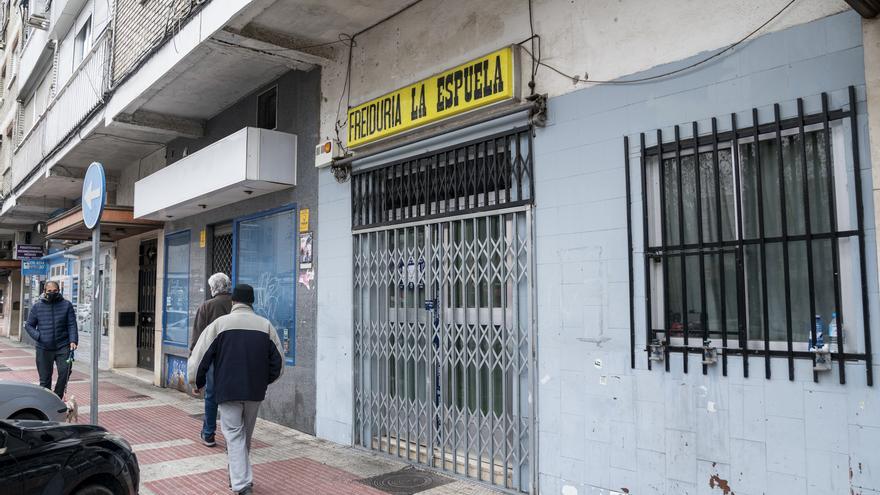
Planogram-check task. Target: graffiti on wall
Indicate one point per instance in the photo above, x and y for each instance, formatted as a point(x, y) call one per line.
point(175, 372)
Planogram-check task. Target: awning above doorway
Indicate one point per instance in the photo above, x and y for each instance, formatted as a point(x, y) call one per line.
point(10, 265)
point(243, 165)
point(117, 222)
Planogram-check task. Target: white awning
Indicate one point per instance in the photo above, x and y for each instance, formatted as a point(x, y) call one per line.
point(243, 165)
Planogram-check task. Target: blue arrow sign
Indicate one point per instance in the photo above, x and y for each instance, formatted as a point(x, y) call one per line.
point(94, 195)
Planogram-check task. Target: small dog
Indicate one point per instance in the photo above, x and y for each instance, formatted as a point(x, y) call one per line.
point(72, 410)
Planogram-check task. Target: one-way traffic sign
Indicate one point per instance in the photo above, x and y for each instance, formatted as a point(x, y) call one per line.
point(94, 188)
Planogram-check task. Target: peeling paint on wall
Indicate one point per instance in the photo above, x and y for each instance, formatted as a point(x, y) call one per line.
point(716, 482)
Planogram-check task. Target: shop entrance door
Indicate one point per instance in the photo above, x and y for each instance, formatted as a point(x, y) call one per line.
point(443, 352)
point(146, 329)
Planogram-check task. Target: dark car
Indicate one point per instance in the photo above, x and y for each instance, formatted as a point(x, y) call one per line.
point(44, 457)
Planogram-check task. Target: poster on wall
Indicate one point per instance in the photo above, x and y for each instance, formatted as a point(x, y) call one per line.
point(305, 250)
point(306, 277)
point(175, 372)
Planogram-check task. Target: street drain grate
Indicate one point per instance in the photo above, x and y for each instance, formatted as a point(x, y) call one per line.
point(407, 481)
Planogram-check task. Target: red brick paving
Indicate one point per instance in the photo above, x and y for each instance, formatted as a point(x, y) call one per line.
point(14, 353)
point(299, 476)
point(153, 456)
point(151, 424)
point(166, 423)
point(31, 376)
point(108, 393)
point(18, 361)
point(162, 424)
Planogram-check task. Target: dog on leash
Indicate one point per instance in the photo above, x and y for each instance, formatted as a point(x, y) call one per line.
point(72, 410)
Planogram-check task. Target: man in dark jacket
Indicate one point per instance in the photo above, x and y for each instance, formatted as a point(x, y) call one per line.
point(246, 354)
point(219, 305)
point(52, 324)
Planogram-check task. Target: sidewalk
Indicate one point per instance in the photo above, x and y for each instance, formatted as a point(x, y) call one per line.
point(162, 426)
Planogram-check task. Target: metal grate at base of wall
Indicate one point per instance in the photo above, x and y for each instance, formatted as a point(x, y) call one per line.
point(406, 481)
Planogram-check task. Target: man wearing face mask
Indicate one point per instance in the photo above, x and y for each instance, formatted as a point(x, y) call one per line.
point(52, 324)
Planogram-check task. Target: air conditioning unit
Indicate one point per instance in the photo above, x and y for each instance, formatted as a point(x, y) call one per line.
point(38, 14)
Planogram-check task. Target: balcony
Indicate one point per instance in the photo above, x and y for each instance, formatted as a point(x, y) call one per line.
point(72, 105)
point(35, 57)
point(245, 164)
point(63, 15)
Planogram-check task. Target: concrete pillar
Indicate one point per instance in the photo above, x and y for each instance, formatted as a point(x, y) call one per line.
point(159, 360)
point(6, 324)
point(17, 322)
point(124, 298)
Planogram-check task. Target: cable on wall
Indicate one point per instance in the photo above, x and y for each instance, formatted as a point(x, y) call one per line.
point(577, 79)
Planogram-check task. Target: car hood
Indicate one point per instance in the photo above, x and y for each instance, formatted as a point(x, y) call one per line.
point(39, 432)
point(37, 427)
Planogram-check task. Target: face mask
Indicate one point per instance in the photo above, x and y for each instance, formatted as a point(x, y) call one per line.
point(53, 296)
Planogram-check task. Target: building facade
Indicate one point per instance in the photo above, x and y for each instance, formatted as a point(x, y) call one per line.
point(558, 248)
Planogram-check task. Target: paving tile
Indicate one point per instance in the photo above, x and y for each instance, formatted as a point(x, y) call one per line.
point(160, 425)
point(294, 477)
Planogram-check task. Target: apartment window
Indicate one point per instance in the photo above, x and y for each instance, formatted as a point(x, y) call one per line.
point(267, 109)
point(82, 43)
point(755, 239)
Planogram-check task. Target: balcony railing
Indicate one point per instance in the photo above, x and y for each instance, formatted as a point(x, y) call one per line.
point(71, 105)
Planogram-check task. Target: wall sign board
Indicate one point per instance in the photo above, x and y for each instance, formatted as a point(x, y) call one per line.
point(480, 82)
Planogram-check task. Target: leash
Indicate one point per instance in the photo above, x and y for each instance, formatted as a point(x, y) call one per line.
point(72, 408)
point(71, 358)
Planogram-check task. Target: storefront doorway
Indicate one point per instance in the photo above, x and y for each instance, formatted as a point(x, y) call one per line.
point(443, 334)
point(146, 327)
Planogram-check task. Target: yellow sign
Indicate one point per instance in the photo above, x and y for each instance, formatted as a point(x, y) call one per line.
point(478, 83)
point(304, 220)
point(202, 236)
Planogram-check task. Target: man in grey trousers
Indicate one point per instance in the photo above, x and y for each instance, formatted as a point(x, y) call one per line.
point(246, 355)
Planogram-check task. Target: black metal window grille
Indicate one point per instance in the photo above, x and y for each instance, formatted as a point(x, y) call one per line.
point(487, 174)
point(750, 234)
point(221, 255)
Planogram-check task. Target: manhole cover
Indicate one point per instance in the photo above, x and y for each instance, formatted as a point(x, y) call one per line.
point(407, 481)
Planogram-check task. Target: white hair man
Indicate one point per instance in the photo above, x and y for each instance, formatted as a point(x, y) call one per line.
point(220, 304)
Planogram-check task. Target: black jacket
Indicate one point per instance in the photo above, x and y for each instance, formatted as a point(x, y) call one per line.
point(245, 351)
point(52, 325)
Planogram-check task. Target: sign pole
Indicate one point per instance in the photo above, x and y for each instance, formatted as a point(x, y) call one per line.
point(96, 322)
point(94, 195)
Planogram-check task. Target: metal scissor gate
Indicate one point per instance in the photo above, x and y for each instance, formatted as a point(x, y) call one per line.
point(443, 337)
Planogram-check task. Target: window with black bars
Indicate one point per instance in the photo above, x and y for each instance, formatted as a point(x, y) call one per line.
point(754, 241)
point(221, 253)
point(490, 173)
